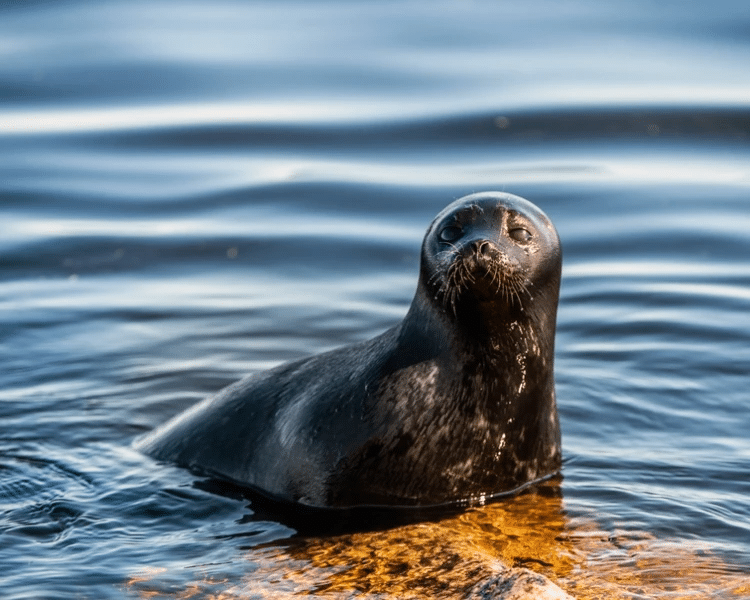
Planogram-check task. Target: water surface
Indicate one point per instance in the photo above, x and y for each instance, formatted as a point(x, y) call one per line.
point(192, 192)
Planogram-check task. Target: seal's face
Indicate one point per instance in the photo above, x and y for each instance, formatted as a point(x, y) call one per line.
point(490, 248)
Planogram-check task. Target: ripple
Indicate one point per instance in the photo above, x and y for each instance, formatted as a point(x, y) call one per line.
point(35, 494)
point(190, 193)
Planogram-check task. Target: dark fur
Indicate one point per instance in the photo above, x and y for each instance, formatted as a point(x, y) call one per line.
point(454, 404)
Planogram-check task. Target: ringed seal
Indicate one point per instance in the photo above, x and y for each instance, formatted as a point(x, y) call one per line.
point(455, 404)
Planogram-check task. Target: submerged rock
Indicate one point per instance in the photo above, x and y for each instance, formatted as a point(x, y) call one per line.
point(518, 584)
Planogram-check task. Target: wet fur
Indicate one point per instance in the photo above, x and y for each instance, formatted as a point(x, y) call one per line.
point(455, 404)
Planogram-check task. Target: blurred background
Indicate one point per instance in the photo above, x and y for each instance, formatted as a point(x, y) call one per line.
point(191, 192)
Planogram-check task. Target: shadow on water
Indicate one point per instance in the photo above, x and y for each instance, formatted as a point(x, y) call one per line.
point(309, 522)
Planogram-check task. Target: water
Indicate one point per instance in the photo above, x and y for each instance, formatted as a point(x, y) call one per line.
point(192, 192)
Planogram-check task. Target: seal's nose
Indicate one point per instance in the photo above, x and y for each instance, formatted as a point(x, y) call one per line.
point(481, 247)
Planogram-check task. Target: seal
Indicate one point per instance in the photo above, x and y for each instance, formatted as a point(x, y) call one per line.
point(455, 404)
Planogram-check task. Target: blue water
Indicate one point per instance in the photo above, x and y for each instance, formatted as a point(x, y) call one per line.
point(190, 192)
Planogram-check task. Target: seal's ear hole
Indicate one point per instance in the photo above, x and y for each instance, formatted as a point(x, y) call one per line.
point(520, 234)
point(450, 233)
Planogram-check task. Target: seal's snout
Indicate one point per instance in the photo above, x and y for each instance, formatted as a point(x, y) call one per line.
point(484, 270)
point(482, 248)
point(481, 253)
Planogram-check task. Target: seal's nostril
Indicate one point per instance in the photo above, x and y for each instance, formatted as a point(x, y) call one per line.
point(481, 247)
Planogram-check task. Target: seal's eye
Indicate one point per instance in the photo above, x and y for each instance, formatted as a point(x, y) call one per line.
point(450, 233)
point(520, 234)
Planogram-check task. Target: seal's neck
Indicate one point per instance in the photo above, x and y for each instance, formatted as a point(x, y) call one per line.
point(497, 372)
point(495, 330)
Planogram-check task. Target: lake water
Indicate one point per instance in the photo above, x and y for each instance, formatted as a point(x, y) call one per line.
point(191, 192)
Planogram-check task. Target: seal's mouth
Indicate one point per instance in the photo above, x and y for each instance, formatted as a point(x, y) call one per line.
point(480, 270)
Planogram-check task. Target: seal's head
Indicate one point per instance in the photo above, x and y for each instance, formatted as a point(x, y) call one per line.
point(492, 253)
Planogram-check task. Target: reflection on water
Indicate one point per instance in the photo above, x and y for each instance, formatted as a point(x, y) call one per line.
point(454, 557)
point(193, 192)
